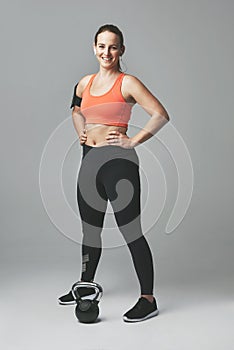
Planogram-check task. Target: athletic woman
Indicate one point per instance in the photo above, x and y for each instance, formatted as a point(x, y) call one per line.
point(102, 105)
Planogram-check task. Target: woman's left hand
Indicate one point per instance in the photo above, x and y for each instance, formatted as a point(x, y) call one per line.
point(116, 138)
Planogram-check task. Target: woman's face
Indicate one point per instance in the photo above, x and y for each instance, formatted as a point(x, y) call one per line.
point(108, 49)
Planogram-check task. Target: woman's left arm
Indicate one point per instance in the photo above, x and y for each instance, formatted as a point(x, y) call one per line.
point(159, 116)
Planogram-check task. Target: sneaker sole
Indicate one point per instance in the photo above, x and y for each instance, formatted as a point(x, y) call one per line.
point(66, 303)
point(152, 314)
point(73, 302)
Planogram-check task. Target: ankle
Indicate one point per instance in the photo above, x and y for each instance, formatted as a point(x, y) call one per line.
point(149, 297)
point(85, 281)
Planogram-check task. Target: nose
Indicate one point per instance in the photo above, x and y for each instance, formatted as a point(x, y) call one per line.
point(106, 51)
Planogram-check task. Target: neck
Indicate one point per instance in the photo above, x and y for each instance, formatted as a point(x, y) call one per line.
point(108, 73)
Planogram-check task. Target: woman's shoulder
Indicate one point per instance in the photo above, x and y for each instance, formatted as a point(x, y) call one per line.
point(132, 82)
point(82, 84)
point(131, 79)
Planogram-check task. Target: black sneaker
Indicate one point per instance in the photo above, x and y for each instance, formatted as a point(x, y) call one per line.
point(141, 311)
point(84, 292)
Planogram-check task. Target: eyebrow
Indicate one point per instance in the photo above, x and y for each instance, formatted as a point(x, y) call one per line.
point(110, 45)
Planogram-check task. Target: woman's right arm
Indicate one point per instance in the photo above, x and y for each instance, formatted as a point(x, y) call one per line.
point(79, 124)
point(77, 117)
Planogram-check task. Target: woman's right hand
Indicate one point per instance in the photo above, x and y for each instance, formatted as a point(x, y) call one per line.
point(83, 137)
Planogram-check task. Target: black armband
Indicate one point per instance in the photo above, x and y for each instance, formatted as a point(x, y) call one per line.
point(76, 100)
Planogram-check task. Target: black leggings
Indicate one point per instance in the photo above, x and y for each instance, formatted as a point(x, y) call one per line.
point(112, 173)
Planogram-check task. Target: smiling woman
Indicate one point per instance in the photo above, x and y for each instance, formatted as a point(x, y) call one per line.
point(102, 106)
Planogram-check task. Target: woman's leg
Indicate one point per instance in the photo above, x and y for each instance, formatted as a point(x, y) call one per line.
point(122, 186)
point(89, 199)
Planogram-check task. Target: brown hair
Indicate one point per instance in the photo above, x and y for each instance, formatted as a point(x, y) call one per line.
point(113, 29)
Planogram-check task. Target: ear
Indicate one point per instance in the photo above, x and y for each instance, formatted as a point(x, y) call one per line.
point(94, 49)
point(122, 50)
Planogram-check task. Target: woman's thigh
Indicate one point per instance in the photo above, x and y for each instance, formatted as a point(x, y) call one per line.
point(91, 197)
point(121, 181)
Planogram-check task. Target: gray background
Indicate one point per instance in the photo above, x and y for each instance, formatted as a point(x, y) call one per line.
point(183, 51)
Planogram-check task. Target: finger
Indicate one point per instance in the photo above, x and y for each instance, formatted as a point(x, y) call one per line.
point(113, 132)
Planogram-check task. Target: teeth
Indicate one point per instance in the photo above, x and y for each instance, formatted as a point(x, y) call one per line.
point(106, 59)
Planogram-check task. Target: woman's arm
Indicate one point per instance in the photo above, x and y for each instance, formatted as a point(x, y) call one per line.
point(79, 124)
point(159, 115)
point(77, 117)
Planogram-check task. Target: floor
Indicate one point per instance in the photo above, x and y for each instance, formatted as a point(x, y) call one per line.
point(31, 318)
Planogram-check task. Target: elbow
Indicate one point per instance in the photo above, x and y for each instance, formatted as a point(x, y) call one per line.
point(76, 115)
point(167, 117)
point(76, 111)
point(164, 116)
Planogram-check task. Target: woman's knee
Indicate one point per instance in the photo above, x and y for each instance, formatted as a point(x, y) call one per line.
point(91, 235)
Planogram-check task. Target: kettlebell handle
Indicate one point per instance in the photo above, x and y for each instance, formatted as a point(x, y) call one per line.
point(96, 286)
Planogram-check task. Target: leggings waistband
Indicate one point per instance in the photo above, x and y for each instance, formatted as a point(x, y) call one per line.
point(102, 151)
point(88, 146)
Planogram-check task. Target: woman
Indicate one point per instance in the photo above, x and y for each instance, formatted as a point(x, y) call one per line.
point(102, 104)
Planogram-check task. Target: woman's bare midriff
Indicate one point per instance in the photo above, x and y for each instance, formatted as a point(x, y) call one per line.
point(96, 133)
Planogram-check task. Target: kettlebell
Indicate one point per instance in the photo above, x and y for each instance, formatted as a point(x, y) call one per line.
point(87, 310)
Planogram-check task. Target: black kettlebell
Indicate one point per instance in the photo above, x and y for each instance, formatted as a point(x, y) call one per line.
point(87, 310)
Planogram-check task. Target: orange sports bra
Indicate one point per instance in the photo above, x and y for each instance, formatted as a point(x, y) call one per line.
point(109, 108)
